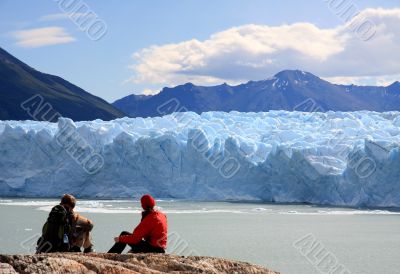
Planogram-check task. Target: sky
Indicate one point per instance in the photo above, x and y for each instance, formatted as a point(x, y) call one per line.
point(113, 49)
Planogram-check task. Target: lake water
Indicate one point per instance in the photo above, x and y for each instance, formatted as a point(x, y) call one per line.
point(361, 241)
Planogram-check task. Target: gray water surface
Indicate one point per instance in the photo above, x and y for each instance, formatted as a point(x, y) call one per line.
point(362, 241)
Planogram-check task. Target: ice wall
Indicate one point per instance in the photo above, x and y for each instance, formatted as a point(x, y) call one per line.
point(335, 158)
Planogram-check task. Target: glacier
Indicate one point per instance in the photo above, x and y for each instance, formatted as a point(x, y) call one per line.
point(331, 158)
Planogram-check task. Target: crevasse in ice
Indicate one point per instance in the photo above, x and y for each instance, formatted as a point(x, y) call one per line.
point(337, 158)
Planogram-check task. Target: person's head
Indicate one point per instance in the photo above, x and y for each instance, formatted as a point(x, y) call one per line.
point(148, 202)
point(68, 202)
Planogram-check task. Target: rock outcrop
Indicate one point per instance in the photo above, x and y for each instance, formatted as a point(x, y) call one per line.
point(125, 263)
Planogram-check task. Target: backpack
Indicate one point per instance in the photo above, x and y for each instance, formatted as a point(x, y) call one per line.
point(55, 232)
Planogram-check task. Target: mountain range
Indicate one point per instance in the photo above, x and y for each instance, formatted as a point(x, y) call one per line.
point(28, 94)
point(287, 90)
point(23, 88)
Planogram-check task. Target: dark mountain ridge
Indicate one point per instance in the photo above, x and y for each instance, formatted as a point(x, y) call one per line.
point(20, 82)
point(287, 90)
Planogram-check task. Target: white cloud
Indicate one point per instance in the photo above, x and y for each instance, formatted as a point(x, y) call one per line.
point(40, 37)
point(54, 17)
point(253, 52)
point(63, 16)
point(148, 91)
point(364, 80)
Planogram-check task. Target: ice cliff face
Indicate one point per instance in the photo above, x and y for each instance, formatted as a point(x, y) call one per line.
point(336, 158)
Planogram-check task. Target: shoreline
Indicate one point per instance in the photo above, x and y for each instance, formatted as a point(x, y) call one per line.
point(230, 201)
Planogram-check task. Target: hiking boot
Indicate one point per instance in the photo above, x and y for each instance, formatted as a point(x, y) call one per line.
point(88, 249)
point(75, 249)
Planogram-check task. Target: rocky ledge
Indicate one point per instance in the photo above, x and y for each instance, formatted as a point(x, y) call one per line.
point(125, 263)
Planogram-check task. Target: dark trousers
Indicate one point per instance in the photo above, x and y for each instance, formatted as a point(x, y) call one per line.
point(141, 247)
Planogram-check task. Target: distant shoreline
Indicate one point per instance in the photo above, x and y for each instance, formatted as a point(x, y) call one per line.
point(127, 199)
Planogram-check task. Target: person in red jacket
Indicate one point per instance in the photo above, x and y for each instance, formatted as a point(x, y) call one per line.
point(150, 236)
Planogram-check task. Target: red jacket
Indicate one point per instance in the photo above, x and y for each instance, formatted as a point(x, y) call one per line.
point(153, 229)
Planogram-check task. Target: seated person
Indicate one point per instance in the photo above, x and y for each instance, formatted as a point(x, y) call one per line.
point(150, 236)
point(65, 230)
point(80, 235)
